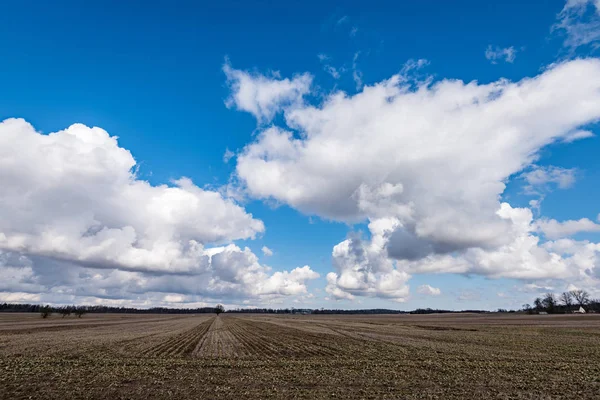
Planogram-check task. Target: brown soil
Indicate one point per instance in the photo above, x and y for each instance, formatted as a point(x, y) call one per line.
point(265, 356)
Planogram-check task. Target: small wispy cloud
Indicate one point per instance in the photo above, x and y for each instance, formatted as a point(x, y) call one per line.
point(342, 20)
point(579, 22)
point(356, 73)
point(343, 23)
point(327, 67)
point(469, 295)
point(429, 290)
point(228, 155)
point(578, 134)
point(495, 54)
point(542, 179)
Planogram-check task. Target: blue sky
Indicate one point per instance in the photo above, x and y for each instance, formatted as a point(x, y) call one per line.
point(152, 74)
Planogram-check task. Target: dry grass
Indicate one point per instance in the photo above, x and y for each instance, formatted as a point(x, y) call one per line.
point(264, 356)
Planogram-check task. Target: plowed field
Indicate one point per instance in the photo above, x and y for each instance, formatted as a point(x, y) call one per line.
point(268, 356)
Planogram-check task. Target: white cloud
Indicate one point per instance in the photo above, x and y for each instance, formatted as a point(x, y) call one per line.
point(174, 298)
point(267, 251)
point(238, 271)
point(342, 20)
point(536, 205)
point(327, 67)
point(469, 295)
point(77, 224)
point(229, 273)
point(228, 155)
point(540, 179)
point(431, 160)
point(535, 288)
point(554, 229)
point(579, 22)
point(357, 75)
point(436, 157)
point(332, 71)
point(264, 97)
point(572, 287)
point(494, 54)
point(524, 258)
point(73, 195)
point(19, 297)
point(520, 258)
point(577, 135)
point(429, 290)
point(363, 268)
point(582, 258)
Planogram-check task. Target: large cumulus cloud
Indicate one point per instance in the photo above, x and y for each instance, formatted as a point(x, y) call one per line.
point(74, 195)
point(75, 219)
point(229, 273)
point(431, 159)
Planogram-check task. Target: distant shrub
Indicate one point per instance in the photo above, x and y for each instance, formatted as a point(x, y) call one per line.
point(219, 309)
point(65, 311)
point(46, 311)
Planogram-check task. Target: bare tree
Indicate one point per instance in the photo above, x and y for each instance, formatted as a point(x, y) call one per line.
point(581, 297)
point(46, 311)
point(79, 311)
point(538, 304)
point(65, 311)
point(594, 305)
point(219, 309)
point(527, 308)
point(549, 302)
point(567, 299)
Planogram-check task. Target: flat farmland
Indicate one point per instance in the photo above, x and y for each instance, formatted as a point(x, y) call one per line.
point(118, 356)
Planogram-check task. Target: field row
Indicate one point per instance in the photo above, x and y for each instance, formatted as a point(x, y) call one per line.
point(230, 337)
point(260, 356)
point(275, 337)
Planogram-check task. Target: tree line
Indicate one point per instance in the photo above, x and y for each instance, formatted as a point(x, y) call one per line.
point(565, 303)
point(46, 310)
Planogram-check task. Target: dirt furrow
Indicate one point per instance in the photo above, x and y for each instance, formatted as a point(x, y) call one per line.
point(182, 344)
point(219, 341)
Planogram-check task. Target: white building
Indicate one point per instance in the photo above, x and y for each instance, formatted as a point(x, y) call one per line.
point(580, 311)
